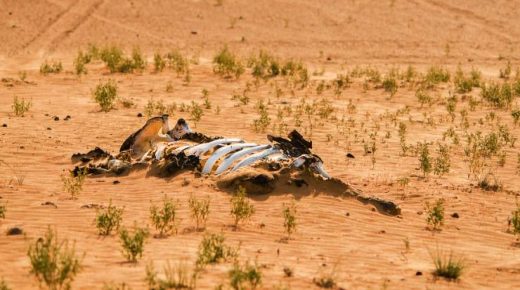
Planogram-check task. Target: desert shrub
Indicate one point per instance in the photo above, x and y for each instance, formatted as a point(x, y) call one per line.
point(435, 214)
point(516, 116)
point(53, 262)
point(227, 64)
point(114, 286)
point(73, 184)
point(326, 279)
point(246, 276)
point(53, 67)
point(155, 108)
point(20, 107)
point(447, 266)
point(196, 112)
point(465, 84)
point(3, 285)
point(263, 120)
point(451, 105)
point(514, 221)
point(177, 62)
point(490, 183)
point(158, 62)
point(175, 277)
point(164, 218)
point(516, 87)
point(402, 137)
point(424, 158)
point(423, 97)
point(3, 210)
point(390, 85)
point(109, 219)
point(199, 210)
point(80, 61)
point(213, 249)
point(133, 244)
point(116, 61)
point(506, 72)
point(105, 95)
point(436, 75)
point(289, 215)
point(442, 161)
point(264, 65)
point(297, 72)
point(241, 207)
point(498, 96)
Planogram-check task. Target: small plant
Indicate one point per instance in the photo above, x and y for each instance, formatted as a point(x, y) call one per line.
point(499, 96)
point(164, 218)
point(425, 159)
point(490, 183)
point(435, 214)
point(326, 279)
point(133, 244)
point(80, 61)
point(3, 210)
point(20, 107)
point(514, 221)
point(53, 262)
point(436, 75)
point(158, 62)
point(213, 250)
point(105, 95)
point(74, 183)
point(109, 219)
point(241, 208)
point(390, 85)
point(447, 266)
point(402, 137)
point(177, 277)
point(516, 116)
point(3, 285)
point(423, 97)
point(199, 210)
point(53, 67)
point(246, 276)
point(442, 162)
point(196, 112)
point(226, 64)
point(289, 215)
point(263, 121)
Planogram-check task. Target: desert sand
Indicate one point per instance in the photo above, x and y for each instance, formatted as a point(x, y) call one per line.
point(361, 248)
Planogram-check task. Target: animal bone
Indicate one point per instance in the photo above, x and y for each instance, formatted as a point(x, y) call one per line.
point(221, 152)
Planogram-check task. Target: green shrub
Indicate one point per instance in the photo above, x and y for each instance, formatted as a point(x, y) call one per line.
point(442, 162)
point(213, 250)
point(514, 221)
point(241, 207)
point(109, 219)
point(3, 210)
point(158, 62)
point(516, 116)
point(423, 97)
point(164, 218)
point(264, 65)
point(390, 85)
point(447, 266)
point(177, 277)
point(227, 64)
point(73, 184)
point(436, 75)
point(199, 210)
point(53, 262)
point(178, 62)
point(289, 215)
point(105, 95)
point(465, 84)
point(116, 61)
point(80, 61)
point(53, 67)
point(435, 214)
point(425, 159)
point(196, 112)
point(499, 96)
point(243, 277)
point(3, 285)
point(20, 107)
point(133, 244)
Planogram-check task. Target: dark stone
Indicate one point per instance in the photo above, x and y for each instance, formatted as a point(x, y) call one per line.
point(116, 182)
point(67, 118)
point(50, 203)
point(194, 32)
point(14, 231)
point(418, 273)
point(56, 118)
point(4, 125)
point(49, 128)
point(350, 155)
point(96, 153)
point(455, 215)
point(139, 115)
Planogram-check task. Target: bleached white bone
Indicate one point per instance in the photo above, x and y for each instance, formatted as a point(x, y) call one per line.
point(160, 150)
point(255, 157)
point(221, 152)
point(235, 156)
point(205, 147)
point(318, 166)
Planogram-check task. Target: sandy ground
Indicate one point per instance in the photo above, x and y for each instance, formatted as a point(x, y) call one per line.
point(364, 249)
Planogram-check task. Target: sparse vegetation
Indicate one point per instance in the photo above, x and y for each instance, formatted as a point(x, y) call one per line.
point(442, 162)
point(164, 218)
point(54, 263)
point(116, 61)
point(263, 120)
point(435, 214)
point(109, 219)
point(227, 64)
point(241, 207)
point(105, 95)
point(3, 285)
point(20, 107)
point(514, 221)
point(447, 265)
point(213, 249)
point(133, 243)
point(175, 277)
point(425, 159)
point(80, 61)
point(199, 210)
point(52, 67)
point(246, 276)
point(3, 210)
point(289, 215)
point(73, 184)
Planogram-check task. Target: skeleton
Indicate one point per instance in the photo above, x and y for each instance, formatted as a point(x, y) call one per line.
point(166, 152)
